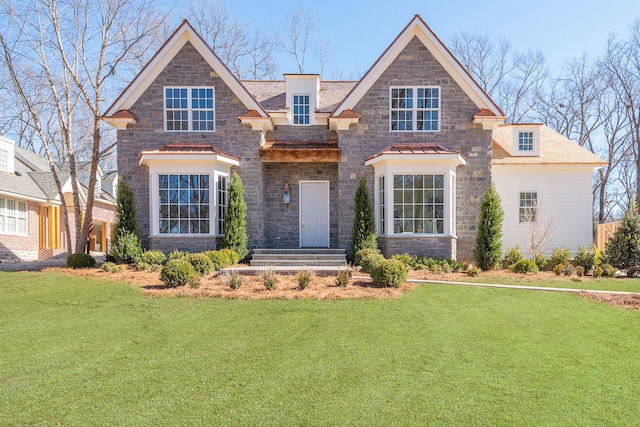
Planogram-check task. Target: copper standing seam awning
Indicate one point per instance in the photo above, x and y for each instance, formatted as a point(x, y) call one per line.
point(300, 151)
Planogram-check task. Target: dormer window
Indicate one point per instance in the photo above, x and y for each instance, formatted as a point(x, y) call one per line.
point(525, 141)
point(4, 163)
point(301, 105)
point(189, 109)
point(415, 109)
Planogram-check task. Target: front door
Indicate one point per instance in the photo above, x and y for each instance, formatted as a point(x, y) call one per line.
point(314, 214)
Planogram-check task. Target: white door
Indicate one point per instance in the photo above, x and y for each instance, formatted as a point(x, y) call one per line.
point(314, 214)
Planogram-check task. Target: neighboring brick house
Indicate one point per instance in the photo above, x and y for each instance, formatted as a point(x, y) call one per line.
point(31, 223)
point(417, 126)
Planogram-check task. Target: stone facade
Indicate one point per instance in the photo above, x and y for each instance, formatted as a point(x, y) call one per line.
point(188, 68)
point(274, 224)
point(413, 67)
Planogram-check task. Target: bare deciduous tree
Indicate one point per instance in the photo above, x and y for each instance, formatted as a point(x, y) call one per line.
point(298, 27)
point(60, 56)
point(511, 78)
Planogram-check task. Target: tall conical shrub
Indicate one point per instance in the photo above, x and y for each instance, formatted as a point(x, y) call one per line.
point(125, 211)
point(364, 233)
point(623, 248)
point(488, 250)
point(235, 219)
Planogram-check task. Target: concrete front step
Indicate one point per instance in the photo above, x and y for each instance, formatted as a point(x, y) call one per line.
point(320, 270)
point(298, 257)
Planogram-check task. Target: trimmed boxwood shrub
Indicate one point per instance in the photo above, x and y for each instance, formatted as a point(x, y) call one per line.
point(179, 272)
point(222, 258)
point(81, 261)
point(525, 266)
point(231, 256)
point(368, 258)
point(389, 273)
point(154, 257)
point(201, 263)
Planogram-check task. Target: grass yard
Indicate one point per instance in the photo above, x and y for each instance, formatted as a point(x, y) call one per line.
point(81, 351)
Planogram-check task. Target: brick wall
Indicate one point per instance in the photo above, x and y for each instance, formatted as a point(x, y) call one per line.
point(416, 66)
point(23, 247)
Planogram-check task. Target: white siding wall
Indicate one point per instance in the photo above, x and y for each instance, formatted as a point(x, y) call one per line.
point(564, 197)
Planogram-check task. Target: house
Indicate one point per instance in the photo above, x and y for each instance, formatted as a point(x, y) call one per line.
point(31, 222)
point(545, 184)
point(416, 125)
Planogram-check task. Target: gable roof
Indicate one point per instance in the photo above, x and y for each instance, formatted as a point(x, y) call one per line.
point(185, 33)
point(418, 28)
point(554, 149)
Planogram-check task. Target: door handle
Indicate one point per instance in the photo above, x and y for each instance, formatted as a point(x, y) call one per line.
point(302, 225)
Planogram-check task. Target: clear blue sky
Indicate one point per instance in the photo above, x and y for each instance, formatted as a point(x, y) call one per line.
point(360, 30)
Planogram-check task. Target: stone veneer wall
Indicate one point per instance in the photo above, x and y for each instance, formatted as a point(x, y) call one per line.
point(188, 68)
point(416, 66)
point(283, 221)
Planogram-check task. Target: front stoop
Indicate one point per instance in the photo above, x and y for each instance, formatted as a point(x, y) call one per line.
point(323, 261)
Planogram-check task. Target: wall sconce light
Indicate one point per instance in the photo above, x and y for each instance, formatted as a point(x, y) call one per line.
point(285, 195)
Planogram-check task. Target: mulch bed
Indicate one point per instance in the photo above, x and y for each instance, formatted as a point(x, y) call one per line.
point(320, 288)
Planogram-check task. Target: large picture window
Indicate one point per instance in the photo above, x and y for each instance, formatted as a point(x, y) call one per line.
point(184, 204)
point(189, 109)
point(13, 217)
point(418, 204)
point(415, 109)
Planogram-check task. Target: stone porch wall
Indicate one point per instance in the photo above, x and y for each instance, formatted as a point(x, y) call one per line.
point(415, 66)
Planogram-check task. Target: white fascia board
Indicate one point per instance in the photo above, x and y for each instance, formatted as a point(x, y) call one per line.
point(148, 74)
point(452, 159)
point(17, 196)
point(439, 51)
point(172, 158)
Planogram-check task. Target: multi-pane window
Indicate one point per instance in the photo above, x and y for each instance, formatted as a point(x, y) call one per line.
point(4, 160)
point(184, 204)
point(301, 109)
point(222, 202)
point(381, 215)
point(525, 141)
point(418, 204)
point(13, 217)
point(415, 109)
point(528, 206)
point(189, 109)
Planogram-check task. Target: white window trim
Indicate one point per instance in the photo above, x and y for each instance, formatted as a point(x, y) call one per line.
point(293, 104)
point(4, 160)
point(18, 215)
point(450, 204)
point(189, 108)
point(415, 108)
point(195, 167)
point(536, 142)
point(520, 192)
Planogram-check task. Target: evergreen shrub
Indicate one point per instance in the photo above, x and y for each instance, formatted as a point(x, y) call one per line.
point(389, 273)
point(80, 260)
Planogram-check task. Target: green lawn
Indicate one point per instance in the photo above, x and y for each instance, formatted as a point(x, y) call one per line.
point(574, 282)
point(83, 352)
